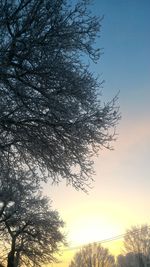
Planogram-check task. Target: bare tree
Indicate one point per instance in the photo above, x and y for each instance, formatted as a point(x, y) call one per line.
point(13, 187)
point(93, 255)
point(28, 226)
point(51, 116)
point(137, 244)
point(132, 260)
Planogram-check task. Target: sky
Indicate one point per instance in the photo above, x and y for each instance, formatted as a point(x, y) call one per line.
point(119, 197)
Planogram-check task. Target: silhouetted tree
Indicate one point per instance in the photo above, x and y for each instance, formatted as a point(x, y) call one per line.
point(132, 260)
point(51, 116)
point(31, 230)
point(12, 189)
point(137, 245)
point(93, 255)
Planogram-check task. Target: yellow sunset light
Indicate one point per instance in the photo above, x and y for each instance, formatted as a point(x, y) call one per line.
point(91, 230)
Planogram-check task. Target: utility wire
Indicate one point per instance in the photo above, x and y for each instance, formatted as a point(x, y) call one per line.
point(105, 240)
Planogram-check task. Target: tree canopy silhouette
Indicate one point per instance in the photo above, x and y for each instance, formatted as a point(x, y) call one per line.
point(51, 116)
point(29, 228)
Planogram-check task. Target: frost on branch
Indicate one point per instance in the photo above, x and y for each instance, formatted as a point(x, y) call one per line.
point(51, 116)
point(30, 231)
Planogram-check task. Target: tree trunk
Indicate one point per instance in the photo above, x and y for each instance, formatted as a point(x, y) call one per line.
point(10, 260)
point(11, 255)
point(17, 259)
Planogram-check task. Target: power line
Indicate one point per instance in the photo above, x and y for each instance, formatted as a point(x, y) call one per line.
point(100, 241)
point(117, 237)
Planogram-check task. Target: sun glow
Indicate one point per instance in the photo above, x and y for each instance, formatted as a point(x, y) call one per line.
point(85, 231)
point(91, 230)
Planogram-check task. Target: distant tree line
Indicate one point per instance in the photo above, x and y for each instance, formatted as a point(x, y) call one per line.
point(136, 252)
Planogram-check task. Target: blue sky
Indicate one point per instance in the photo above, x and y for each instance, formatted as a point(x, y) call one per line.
point(125, 65)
